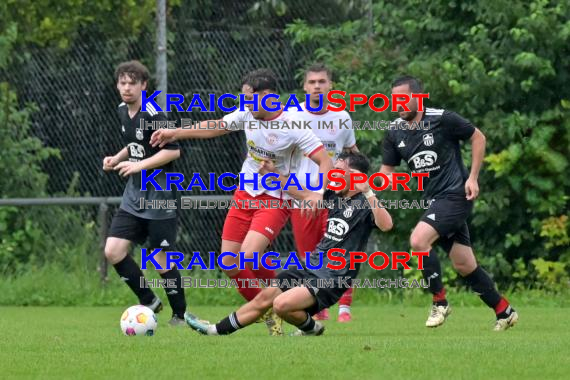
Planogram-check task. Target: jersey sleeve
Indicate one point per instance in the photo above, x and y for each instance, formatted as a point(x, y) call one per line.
point(456, 126)
point(235, 120)
point(390, 154)
point(307, 142)
point(161, 116)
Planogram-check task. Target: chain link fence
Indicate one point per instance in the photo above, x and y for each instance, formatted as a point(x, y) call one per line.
point(75, 94)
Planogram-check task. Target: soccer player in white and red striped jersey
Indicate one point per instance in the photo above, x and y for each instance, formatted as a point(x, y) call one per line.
point(334, 129)
point(252, 230)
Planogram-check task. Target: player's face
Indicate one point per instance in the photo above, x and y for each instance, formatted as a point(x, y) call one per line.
point(130, 89)
point(342, 165)
point(316, 84)
point(412, 104)
point(260, 114)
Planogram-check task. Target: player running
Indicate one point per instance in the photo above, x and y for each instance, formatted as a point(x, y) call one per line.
point(334, 129)
point(347, 230)
point(452, 190)
point(131, 223)
point(252, 230)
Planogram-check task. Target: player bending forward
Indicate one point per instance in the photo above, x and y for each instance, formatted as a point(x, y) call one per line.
point(247, 229)
point(296, 305)
point(335, 131)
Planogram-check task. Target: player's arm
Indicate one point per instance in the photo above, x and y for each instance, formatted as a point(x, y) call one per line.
point(321, 158)
point(458, 128)
point(159, 159)
point(478, 142)
point(382, 218)
point(351, 149)
point(267, 166)
point(110, 162)
point(204, 130)
point(388, 170)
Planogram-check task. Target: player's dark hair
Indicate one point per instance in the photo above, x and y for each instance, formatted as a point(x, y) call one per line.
point(356, 160)
point(318, 68)
point(416, 85)
point(134, 70)
point(260, 79)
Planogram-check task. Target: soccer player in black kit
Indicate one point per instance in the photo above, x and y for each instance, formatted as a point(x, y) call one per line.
point(348, 228)
point(452, 190)
point(133, 224)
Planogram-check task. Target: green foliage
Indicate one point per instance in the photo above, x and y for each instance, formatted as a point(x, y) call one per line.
point(506, 72)
point(58, 23)
point(552, 275)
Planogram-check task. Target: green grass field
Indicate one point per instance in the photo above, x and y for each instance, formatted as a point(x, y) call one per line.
point(381, 342)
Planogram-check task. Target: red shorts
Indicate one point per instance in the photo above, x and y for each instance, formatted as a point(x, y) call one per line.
point(308, 232)
point(241, 220)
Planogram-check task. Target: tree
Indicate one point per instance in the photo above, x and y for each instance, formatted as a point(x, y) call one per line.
point(505, 71)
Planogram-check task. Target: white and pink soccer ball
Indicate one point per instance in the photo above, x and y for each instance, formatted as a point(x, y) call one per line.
point(138, 320)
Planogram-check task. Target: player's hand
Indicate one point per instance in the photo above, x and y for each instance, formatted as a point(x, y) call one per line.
point(362, 187)
point(471, 189)
point(109, 163)
point(314, 199)
point(162, 136)
point(127, 168)
point(267, 166)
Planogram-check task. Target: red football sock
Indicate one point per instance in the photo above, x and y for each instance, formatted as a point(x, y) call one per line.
point(346, 299)
point(244, 288)
point(264, 273)
point(439, 296)
point(501, 306)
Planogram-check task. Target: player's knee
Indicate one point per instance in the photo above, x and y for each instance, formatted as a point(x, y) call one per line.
point(418, 243)
point(281, 306)
point(113, 254)
point(464, 267)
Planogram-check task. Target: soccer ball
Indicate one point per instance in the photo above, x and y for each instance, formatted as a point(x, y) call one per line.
point(138, 320)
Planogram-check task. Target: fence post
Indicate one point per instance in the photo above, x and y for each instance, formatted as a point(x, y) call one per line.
point(161, 48)
point(103, 211)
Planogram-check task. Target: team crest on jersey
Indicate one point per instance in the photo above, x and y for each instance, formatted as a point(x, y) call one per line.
point(428, 139)
point(348, 212)
point(272, 139)
point(140, 134)
point(330, 147)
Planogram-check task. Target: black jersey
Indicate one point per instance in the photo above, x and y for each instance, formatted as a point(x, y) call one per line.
point(348, 228)
point(434, 150)
point(137, 140)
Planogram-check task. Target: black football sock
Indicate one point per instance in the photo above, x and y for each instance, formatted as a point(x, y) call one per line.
point(228, 325)
point(175, 295)
point(482, 284)
point(432, 275)
point(308, 325)
point(130, 272)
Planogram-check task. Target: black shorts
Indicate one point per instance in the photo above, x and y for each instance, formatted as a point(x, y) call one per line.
point(160, 233)
point(448, 216)
point(325, 297)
